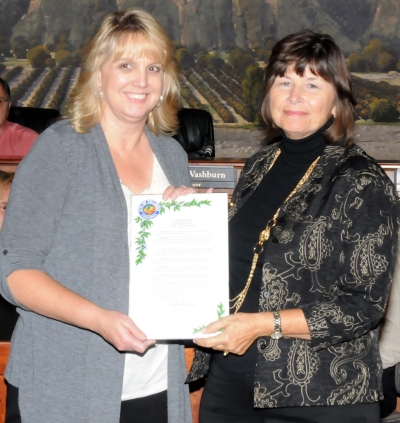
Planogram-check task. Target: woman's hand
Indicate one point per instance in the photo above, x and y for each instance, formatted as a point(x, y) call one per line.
point(38, 292)
point(172, 193)
point(120, 331)
point(239, 331)
point(242, 329)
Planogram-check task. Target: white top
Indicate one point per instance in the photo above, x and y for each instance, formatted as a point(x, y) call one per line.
point(389, 341)
point(144, 374)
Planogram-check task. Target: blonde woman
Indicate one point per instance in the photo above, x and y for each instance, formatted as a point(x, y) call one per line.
point(76, 355)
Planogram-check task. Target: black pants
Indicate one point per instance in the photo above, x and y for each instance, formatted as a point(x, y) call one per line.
point(388, 404)
point(12, 407)
point(8, 319)
point(149, 409)
point(228, 398)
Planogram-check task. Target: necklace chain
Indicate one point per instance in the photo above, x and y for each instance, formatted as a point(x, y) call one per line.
point(265, 234)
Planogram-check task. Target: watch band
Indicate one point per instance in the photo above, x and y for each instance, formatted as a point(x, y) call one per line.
point(277, 333)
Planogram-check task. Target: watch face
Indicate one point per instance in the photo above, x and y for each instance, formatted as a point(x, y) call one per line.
point(276, 335)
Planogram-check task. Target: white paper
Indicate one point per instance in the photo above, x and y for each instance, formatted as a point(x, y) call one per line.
point(180, 264)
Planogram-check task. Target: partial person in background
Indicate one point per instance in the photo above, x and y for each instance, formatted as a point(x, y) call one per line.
point(389, 344)
point(8, 313)
point(5, 187)
point(15, 140)
point(66, 248)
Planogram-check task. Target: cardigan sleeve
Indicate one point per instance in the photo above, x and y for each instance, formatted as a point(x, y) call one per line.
point(172, 158)
point(35, 205)
point(367, 215)
point(184, 168)
point(174, 161)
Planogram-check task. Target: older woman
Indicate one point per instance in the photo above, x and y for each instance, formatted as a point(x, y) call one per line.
point(15, 140)
point(76, 356)
point(313, 236)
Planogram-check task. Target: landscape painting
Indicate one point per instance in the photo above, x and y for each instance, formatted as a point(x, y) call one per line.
point(222, 47)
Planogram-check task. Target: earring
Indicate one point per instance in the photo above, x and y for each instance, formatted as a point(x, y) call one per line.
point(100, 93)
point(160, 101)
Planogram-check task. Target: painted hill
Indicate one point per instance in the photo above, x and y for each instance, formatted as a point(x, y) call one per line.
point(210, 24)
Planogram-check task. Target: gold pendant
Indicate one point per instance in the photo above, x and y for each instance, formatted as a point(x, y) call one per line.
point(265, 234)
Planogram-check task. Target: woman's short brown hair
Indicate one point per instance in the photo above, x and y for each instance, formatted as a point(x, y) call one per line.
point(323, 57)
point(137, 32)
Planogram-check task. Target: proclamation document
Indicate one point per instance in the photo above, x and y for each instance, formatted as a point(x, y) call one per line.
point(179, 261)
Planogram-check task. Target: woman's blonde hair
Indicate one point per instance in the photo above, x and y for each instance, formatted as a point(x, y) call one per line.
point(137, 32)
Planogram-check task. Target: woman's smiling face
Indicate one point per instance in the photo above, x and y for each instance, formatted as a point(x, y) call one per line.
point(300, 105)
point(130, 87)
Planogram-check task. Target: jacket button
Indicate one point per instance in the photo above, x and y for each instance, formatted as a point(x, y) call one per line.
point(263, 346)
point(275, 240)
point(281, 220)
point(5, 252)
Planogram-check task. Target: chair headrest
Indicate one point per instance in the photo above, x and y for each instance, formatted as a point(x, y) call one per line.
point(196, 132)
point(33, 117)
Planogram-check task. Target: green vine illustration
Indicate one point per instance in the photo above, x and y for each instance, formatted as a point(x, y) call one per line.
point(220, 311)
point(199, 329)
point(140, 241)
point(145, 224)
point(220, 314)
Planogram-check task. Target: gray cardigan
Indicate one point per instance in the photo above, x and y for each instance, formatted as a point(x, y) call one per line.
point(67, 216)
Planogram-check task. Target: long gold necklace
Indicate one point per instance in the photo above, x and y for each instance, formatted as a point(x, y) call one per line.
point(265, 234)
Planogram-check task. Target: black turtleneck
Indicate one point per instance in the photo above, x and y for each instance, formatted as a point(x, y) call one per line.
point(244, 228)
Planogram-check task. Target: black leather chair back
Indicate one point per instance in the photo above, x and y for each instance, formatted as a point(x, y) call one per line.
point(33, 117)
point(196, 133)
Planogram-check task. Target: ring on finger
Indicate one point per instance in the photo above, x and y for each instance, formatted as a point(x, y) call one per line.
point(226, 352)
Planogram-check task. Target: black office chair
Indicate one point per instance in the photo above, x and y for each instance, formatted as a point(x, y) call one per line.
point(196, 133)
point(33, 117)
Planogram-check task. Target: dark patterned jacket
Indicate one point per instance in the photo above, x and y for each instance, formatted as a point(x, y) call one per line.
point(334, 259)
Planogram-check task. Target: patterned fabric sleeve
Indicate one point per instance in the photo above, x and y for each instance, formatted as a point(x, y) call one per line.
point(365, 212)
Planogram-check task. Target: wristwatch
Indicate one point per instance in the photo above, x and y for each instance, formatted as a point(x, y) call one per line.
point(277, 333)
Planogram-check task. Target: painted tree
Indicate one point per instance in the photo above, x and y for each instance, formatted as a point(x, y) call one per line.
point(240, 60)
point(184, 58)
point(379, 56)
point(19, 46)
point(356, 63)
point(4, 46)
point(253, 91)
point(38, 56)
point(386, 62)
point(383, 111)
point(64, 58)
